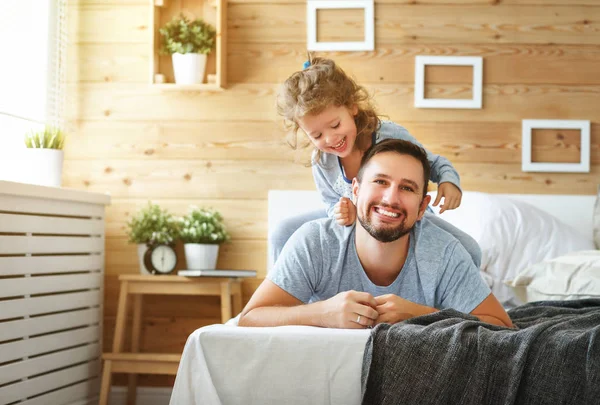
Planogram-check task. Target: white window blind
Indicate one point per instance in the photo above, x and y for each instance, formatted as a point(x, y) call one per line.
point(33, 36)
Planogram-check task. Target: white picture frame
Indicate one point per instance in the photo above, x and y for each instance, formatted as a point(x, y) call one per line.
point(529, 125)
point(312, 6)
point(475, 61)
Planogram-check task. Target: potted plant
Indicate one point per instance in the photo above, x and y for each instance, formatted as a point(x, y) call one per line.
point(202, 231)
point(44, 157)
point(151, 225)
point(188, 42)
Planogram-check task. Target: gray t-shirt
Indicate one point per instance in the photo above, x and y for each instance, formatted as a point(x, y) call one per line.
point(320, 261)
point(332, 184)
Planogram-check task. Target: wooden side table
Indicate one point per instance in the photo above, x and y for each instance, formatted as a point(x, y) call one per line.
point(229, 289)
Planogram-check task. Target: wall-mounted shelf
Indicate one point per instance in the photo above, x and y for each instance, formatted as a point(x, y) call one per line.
point(213, 12)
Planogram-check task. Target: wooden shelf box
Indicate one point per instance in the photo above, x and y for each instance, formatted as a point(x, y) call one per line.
point(213, 12)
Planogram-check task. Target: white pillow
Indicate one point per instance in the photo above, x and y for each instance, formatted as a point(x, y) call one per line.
point(572, 276)
point(513, 235)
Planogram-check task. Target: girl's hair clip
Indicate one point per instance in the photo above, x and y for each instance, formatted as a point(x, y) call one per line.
point(306, 64)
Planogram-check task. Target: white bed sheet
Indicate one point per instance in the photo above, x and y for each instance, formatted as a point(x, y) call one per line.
point(227, 365)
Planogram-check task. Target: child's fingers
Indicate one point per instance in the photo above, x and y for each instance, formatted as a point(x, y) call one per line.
point(438, 197)
point(339, 207)
point(342, 216)
point(341, 219)
point(449, 204)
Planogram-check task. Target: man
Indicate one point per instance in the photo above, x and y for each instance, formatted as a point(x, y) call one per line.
point(388, 267)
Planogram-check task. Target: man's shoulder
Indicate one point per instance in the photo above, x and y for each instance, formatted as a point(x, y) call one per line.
point(324, 229)
point(429, 236)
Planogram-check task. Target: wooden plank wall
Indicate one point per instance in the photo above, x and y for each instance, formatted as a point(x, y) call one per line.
point(225, 149)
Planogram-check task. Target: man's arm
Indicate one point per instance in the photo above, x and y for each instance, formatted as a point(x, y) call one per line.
point(270, 305)
point(491, 311)
point(463, 289)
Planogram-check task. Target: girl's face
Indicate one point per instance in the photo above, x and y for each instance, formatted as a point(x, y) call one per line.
point(333, 130)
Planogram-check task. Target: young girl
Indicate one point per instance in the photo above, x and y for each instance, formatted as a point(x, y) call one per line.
point(340, 122)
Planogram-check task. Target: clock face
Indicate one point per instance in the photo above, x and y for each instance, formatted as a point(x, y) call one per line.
point(163, 259)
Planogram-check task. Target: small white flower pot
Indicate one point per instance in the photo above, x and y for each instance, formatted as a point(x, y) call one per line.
point(200, 256)
point(141, 250)
point(189, 67)
point(40, 166)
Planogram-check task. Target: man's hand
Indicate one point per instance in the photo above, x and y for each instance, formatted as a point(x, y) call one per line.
point(349, 310)
point(393, 309)
point(344, 212)
point(452, 196)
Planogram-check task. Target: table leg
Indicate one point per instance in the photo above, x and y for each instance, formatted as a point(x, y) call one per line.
point(237, 297)
point(121, 318)
point(117, 343)
point(225, 301)
point(135, 345)
point(105, 386)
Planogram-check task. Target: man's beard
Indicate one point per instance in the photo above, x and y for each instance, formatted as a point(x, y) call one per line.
point(386, 234)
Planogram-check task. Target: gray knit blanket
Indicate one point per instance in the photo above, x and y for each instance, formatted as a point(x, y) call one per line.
point(449, 358)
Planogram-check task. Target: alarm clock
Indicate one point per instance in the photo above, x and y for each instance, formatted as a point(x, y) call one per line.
point(160, 258)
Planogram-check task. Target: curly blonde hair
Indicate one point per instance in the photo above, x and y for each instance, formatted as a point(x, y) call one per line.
point(319, 86)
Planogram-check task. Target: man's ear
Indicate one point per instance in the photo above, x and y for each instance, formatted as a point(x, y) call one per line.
point(423, 207)
point(355, 187)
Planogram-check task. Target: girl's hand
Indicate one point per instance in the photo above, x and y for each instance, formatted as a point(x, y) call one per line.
point(344, 212)
point(452, 196)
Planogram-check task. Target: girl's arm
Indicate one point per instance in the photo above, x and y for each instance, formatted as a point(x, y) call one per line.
point(442, 170)
point(325, 189)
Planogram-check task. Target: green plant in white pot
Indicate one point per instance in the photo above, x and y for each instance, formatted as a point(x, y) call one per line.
point(44, 157)
point(202, 231)
point(189, 42)
point(151, 225)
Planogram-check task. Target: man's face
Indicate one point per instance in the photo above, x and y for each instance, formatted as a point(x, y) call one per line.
point(389, 200)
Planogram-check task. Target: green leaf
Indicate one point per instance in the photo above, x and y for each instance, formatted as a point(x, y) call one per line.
point(203, 225)
point(48, 138)
point(181, 35)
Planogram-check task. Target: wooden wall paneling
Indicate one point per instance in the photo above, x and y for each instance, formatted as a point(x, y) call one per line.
point(176, 187)
point(189, 179)
point(238, 254)
point(556, 146)
point(508, 178)
point(273, 63)
point(437, 24)
point(494, 142)
point(152, 140)
point(105, 62)
point(244, 219)
point(109, 23)
point(255, 102)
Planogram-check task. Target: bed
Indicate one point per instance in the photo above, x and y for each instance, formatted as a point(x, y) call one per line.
point(226, 364)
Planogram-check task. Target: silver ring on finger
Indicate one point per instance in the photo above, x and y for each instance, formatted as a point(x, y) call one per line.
point(358, 319)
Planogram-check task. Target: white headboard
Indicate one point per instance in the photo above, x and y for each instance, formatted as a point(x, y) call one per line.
point(573, 210)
